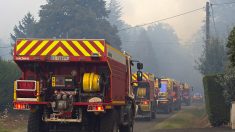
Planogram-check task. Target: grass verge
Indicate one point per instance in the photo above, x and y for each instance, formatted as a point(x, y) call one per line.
point(189, 117)
point(16, 123)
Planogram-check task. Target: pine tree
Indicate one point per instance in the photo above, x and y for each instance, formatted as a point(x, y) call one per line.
point(231, 47)
point(73, 19)
point(115, 14)
point(145, 52)
point(212, 60)
point(25, 28)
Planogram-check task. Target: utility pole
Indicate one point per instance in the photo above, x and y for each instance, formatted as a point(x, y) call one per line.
point(207, 29)
point(207, 23)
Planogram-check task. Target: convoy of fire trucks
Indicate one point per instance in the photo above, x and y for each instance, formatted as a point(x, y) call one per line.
point(85, 84)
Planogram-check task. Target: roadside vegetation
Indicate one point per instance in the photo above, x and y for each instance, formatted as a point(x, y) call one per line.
point(191, 117)
point(13, 123)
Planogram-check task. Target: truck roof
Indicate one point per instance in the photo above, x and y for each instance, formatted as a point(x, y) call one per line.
point(27, 49)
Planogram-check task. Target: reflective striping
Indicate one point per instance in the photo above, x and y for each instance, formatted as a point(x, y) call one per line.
point(135, 75)
point(78, 45)
point(28, 47)
point(50, 47)
point(59, 50)
point(20, 44)
point(133, 78)
point(88, 44)
point(101, 46)
point(39, 47)
point(68, 46)
point(145, 76)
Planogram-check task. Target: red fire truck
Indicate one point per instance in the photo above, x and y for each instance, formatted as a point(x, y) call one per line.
point(145, 95)
point(80, 84)
point(186, 94)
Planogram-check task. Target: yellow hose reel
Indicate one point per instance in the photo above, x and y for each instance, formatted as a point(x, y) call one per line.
point(141, 92)
point(91, 82)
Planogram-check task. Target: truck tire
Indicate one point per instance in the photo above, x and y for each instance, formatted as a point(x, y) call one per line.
point(127, 128)
point(35, 123)
point(153, 114)
point(167, 109)
point(109, 122)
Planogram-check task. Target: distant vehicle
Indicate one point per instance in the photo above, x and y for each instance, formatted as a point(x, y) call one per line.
point(169, 96)
point(197, 97)
point(186, 95)
point(145, 97)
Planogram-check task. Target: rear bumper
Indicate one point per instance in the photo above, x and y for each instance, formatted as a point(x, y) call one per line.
point(74, 104)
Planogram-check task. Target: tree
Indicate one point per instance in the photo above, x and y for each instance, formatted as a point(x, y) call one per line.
point(213, 59)
point(74, 19)
point(228, 79)
point(222, 16)
point(8, 73)
point(25, 28)
point(144, 52)
point(231, 47)
point(115, 14)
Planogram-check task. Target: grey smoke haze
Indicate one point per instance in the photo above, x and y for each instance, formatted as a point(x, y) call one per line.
point(134, 12)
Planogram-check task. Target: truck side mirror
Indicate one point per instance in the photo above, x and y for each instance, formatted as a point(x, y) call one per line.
point(159, 83)
point(139, 76)
point(140, 66)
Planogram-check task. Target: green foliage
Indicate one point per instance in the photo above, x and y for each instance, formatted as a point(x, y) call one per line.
point(227, 81)
point(8, 73)
point(217, 110)
point(115, 14)
point(231, 47)
point(25, 28)
point(71, 19)
point(212, 60)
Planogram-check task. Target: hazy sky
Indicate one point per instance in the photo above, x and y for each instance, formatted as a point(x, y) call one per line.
point(134, 12)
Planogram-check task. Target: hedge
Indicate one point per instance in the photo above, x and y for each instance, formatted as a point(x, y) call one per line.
point(218, 112)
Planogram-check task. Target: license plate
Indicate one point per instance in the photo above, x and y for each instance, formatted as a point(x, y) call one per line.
point(60, 58)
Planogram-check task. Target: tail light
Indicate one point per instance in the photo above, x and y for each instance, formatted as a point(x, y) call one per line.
point(26, 85)
point(145, 102)
point(95, 108)
point(26, 90)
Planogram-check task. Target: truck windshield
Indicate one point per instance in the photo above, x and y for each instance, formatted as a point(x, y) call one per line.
point(163, 88)
point(142, 90)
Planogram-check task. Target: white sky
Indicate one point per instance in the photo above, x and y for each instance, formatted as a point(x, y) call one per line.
point(134, 12)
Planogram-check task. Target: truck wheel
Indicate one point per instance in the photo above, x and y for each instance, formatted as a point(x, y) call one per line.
point(109, 122)
point(127, 128)
point(35, 123)
point(180, 106)
point(153, 115)
point(167, 109)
